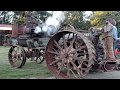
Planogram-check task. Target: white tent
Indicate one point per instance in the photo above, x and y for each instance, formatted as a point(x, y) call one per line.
point(5, 27)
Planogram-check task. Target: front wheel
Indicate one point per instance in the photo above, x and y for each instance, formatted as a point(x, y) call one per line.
point(39, 55)
point(17, 56)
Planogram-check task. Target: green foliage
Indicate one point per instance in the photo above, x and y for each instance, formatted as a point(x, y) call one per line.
point(43, 15)
point(75, 18)
point(99, 17)
point(10, 17)
point(29, 70)
point(5, 17)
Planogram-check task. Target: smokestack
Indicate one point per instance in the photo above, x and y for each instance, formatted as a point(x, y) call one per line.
point(52, 23)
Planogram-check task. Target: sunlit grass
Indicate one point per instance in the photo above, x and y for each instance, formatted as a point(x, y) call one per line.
point(29, 70)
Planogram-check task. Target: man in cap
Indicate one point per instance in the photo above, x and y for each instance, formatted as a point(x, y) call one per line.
point(108, 40)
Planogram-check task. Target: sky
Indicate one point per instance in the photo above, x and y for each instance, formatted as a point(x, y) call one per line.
point(87, 13)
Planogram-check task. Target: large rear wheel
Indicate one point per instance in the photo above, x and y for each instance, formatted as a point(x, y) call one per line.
point(69, 55)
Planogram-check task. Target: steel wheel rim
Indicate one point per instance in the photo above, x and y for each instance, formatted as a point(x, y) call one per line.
point(40, 56)
point(16, 56)
point(63, 55)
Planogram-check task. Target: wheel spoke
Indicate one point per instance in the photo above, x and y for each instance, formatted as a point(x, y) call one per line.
point(80, 59)
point(87, 70)
point(18, 63)
point(15, 52)
point(62, 64)
point(55, 61)
point(74, 74)
point(82, 47)
point(85, 64)
point(83, 69)
point(65, 43)
point(56, 53)
point(57, 45)
point(55, 50)
point(78, 71)
point(56, 58)
point(73, 40)
point(83, 53)
point(10, 53)
point(14, 60)
point(68, 70)
point(39, 59)
point(80, 44)
point(90, 63)
point(79, 49)
point(18, 49)
point(82, 73)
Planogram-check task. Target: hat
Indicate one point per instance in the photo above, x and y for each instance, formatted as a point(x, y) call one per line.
point(112, 21)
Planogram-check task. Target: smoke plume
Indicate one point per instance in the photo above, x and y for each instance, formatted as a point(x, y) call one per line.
point(52, 23)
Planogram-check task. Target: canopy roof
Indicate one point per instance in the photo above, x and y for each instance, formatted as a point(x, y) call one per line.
point(5, 27)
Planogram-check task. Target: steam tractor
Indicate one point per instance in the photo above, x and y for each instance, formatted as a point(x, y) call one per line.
point(69, 53)
point(73, 53)
point(25, 44)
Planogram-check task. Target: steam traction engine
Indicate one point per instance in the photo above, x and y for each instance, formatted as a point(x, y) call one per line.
point(69, 53)
point(25, 44)
point(74, 53)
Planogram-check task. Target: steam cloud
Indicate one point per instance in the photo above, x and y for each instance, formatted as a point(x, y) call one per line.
point(52, 23)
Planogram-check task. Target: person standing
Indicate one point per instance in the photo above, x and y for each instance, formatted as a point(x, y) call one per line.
point(108, 40)
point(115, 36)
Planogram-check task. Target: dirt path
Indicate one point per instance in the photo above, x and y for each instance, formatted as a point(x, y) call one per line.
point(105, 75)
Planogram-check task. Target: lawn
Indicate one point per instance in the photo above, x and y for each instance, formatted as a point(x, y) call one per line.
point(29, 70)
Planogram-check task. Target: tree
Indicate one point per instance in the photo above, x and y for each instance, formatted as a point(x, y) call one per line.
point(75, 18)
point(43, 15)
point(10, 17)
point(99, 17)
point(5, 17)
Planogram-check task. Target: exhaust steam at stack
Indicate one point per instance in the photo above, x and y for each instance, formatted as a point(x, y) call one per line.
point(52, 23)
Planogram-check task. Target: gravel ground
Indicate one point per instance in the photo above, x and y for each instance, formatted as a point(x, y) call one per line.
point(104, 75)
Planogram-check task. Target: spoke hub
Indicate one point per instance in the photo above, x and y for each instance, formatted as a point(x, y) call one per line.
point(67, 55)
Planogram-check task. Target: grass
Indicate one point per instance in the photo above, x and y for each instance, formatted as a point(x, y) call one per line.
point(29, 70)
